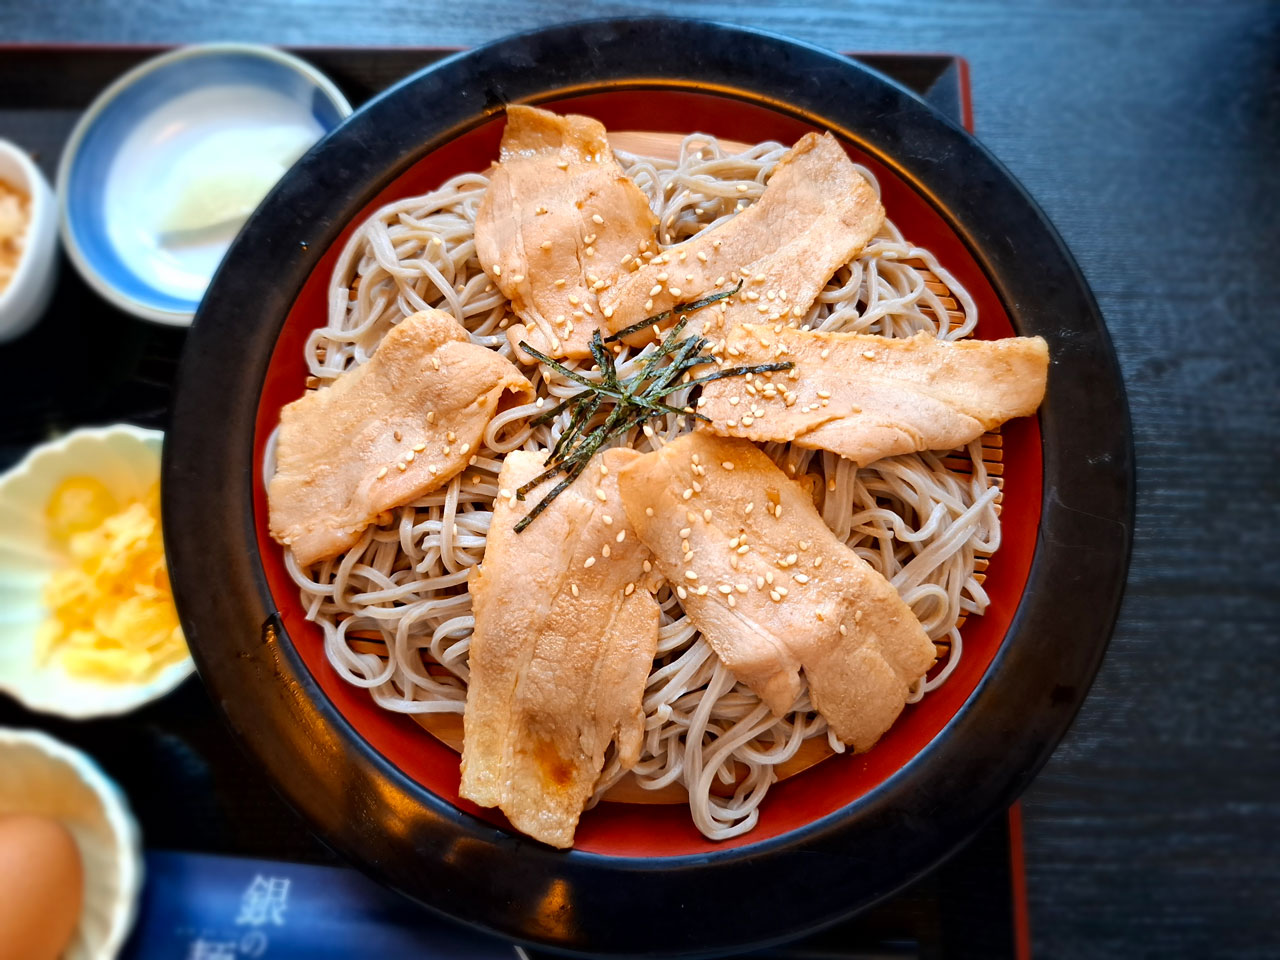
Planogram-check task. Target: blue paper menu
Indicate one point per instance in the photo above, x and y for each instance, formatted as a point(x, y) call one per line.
point(200, 907)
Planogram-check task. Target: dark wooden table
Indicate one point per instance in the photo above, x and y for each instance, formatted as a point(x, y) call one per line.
point(1150, 133)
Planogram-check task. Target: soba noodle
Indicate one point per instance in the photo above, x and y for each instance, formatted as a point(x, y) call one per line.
point(920, 524)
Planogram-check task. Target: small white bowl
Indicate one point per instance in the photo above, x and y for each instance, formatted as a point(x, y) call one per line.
point(44, 777)
point(127, 460)
point(23, 301)
point(127, 161)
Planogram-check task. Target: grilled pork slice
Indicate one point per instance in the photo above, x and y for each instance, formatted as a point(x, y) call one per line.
point(555, 224)
point(566, 629)
point(866, 397)
point(385, 433)
point(771, 588)
point(816, 213)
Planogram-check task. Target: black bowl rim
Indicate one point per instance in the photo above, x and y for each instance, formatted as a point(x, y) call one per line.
point(580, 902)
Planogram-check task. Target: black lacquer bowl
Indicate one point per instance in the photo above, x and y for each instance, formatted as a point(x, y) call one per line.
point(641, 880)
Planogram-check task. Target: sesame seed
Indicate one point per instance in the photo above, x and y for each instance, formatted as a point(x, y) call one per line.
point(408, 457)
point(497, 269)
point(824, 394)
point(506, 494)
point(844, 631)
point(869, 354)
point(775, 596)
point(648, 511)
point(743, 549)
point(464, 449)
point(433, 469)
point(684, 532)
point(682, 593)
point(596, 218)
point(725, 589)
point(697, 487)
point(573, 588)
point(768, 576)
point(801, 578)
point(518, 278)
point(629, 589)
point(601, 495)
point(563, 164)
point(546, 244)
point(803, 545)
point(782, 590)
point(702, 255)
point(690, 516)
point(590, 251)
point(622, 535)
point(382, 473)
point(590, 562)
point(608, 312)
point(857, 616)
point(401, 467)
point(817, 562)
point(675, 291)
point(655, 290)
point(690, 575)
point(396, 435)
point(748, 421)
point(647, 566)
point(688, 493)
point(706, 514)
point(825, 353)
point(605, 551)
point(749, 507)
point(759, 582)
point(419, 447)
point(435, 363)
point(559, 283)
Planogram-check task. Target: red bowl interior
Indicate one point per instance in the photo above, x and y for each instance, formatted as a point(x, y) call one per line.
point(667, 830)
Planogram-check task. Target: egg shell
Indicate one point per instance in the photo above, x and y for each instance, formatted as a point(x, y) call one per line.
point(41, 887)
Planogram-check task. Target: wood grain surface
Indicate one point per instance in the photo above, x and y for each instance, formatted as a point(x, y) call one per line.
point(1150, 133)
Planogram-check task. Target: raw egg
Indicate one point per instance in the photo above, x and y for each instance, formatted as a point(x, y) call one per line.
point(41, 888)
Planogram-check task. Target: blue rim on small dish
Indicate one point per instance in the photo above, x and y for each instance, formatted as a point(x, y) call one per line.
point(90, 233)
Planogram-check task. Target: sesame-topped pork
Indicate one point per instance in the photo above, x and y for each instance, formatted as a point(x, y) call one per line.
point(385, 433)
point(866, 397)
point(556, 225)
point(566, 629)
point(771, 588)
point(816, 214)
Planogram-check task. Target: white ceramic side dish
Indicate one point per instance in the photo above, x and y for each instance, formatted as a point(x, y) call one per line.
point(127, 460)
point(42, 776)
point(163, 167)
point(27, 294)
